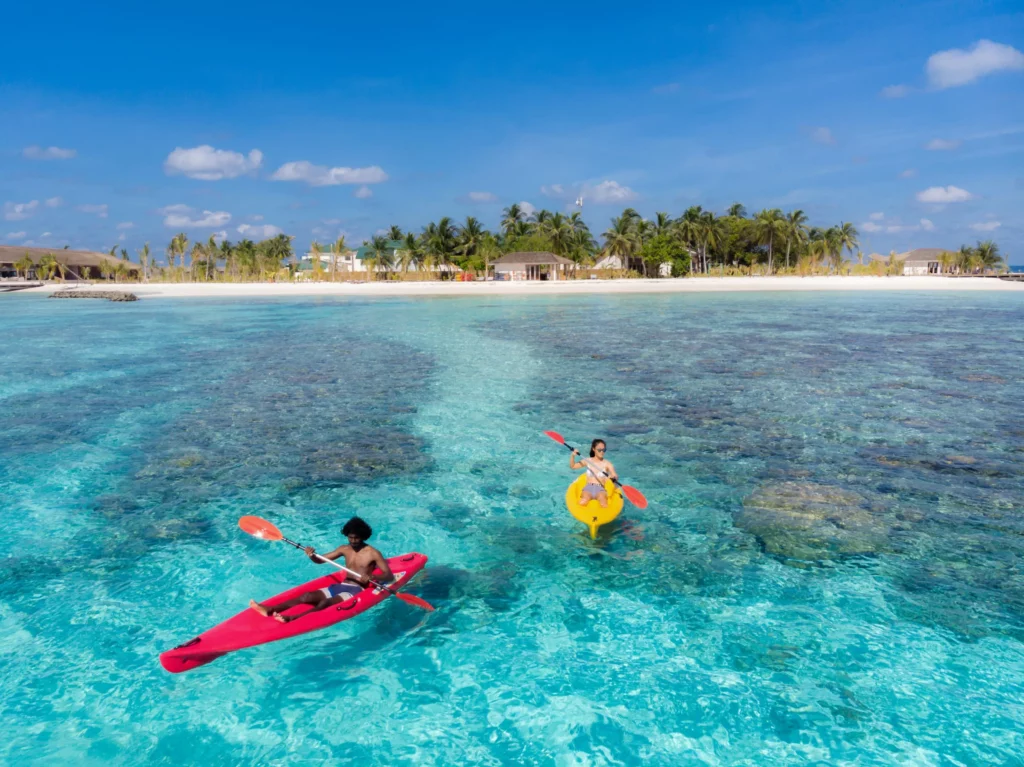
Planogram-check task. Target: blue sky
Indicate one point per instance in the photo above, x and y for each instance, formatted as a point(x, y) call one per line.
point(907, 120)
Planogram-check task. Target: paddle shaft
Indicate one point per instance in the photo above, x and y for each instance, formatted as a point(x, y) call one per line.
point(572, 449)
point(342, 567)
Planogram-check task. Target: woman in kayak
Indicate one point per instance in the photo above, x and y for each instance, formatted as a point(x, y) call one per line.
point(595, 479)
point(359, 556)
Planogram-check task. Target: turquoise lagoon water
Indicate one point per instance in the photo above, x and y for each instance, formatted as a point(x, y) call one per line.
point(829, 572)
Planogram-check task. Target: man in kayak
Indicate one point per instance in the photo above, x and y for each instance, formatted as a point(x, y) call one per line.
point(595, 479)
point(359, 556)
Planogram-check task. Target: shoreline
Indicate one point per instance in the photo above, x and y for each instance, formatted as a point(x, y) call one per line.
point(568, 287)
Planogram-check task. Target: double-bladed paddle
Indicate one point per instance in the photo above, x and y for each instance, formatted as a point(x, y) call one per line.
point(267, 531)
point(635, 496)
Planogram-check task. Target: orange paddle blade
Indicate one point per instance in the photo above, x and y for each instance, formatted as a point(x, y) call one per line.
point(413, 600)
point(635, 496)
point(260, 528)
point(556, 437)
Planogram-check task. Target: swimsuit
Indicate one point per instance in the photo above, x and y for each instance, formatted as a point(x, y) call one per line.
point(595, 483)
point(346, 590)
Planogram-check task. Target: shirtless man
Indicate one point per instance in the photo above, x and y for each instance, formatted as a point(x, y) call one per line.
point(595, 479)
point(359, 556)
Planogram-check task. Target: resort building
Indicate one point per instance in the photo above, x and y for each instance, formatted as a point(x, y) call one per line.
point(355, 260)
point(531, 266)
point(72, 264)
point(917, 261)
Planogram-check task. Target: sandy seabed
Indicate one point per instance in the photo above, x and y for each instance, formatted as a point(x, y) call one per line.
point(567, 287)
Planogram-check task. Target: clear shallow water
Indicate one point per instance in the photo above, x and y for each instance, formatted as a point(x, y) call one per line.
point(830, 570)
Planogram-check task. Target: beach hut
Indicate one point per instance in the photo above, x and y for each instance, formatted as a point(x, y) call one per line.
point(78, 264)
point(531, 266)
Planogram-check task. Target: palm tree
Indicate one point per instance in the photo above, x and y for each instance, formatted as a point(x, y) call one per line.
point(511, 217)
point(711, 232)
point(963, 258)
point(144, 260)
point(470, 236)
point(338, 249)
point(196, 255)
point(818, 247)
point(227, 252)
point(47, 266)
point(769, 226)
point(620, 238)
point(988, 255)
point(689, 229)
point(440, 242)
point(663, 224)
point(318, 268)
point(844, 238)
point(737, 210)
point(23, 264)
point(412, 253)
point(795, 230)
point(946, 262)
point(395, 233)
point(380, 255)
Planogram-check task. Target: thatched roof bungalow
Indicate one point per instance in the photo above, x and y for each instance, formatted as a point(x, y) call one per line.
point(78, 264)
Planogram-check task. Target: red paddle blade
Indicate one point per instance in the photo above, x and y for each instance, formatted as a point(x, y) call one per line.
point(635, 496)
point(556, 437)
point(414, 600)
point(260, 528)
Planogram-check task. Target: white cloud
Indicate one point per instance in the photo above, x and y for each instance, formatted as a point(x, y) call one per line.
point(927, 225)
point(482, 197)
point(97, 210)
point(944, 194)
point(527, 208)
point(16, 211)
point(822, 135)
point(208, 164)
point(54, 202)
point(45, 234)
point(553, 190)
point(263, 231)
point(877, 216)
point(895, 91)
point(126, 225)
point(48, 153)
point(986, 226)
point(179, 216)
point(363, 192)
point(16, 235)
point(609, 192)
point(870, 226)
point(256, 217)
point(942, 145)
point(221, 235)
point(949, 69)
point(122, 237)
point(319, 175)
point(908, 173)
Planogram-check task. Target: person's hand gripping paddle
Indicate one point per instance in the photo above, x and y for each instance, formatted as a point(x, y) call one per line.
point(261, 528)
point(635, 496)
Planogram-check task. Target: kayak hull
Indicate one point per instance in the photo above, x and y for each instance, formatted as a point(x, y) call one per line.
point(593, 515)
point(249, 628)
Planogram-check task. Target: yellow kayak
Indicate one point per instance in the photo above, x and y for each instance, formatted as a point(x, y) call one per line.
point(593, 515)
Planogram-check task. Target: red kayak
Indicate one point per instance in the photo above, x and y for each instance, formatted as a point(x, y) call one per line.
point(249, 628)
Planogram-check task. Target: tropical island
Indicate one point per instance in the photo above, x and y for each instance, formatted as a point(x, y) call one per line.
point(696, 243)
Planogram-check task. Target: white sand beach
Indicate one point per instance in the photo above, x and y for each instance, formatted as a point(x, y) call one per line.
point(536, 288)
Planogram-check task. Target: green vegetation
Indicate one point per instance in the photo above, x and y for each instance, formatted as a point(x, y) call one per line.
point(698, 242)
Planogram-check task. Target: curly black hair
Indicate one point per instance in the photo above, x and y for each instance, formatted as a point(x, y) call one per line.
point(357, 527)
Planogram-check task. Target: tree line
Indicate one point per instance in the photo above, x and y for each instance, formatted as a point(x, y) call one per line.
point(697, 242)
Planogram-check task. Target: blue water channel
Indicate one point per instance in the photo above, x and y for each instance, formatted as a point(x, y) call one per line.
point(830, 570)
